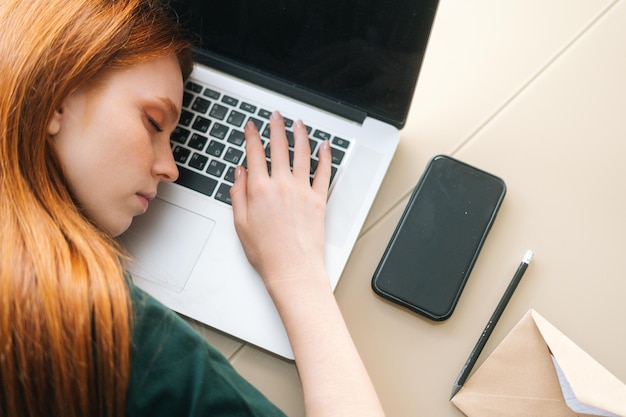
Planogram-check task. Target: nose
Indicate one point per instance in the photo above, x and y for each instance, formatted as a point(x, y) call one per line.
point(164, 167)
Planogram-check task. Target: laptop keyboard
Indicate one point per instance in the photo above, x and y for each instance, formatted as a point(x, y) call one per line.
point(208, 142)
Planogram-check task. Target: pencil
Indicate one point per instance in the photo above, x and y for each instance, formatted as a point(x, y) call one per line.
point(491, 324)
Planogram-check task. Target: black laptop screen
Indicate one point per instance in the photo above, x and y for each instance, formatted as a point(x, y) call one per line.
point(362, 53)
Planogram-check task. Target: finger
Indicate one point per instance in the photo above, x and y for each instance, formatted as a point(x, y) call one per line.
point(321, 181)
point(302, 151)
point(255, 154)
point(279, 149)
point(239, 196)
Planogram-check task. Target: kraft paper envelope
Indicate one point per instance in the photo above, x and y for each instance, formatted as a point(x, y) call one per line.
point(524, 375)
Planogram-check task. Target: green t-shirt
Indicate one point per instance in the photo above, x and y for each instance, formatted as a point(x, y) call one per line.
point(176, 372)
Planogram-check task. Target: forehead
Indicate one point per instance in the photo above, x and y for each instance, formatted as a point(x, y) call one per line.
point(159, 78)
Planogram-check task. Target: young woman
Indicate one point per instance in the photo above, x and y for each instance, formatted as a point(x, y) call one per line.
point(90, 91)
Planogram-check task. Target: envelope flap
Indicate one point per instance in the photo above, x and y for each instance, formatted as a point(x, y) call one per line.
point(592, 384)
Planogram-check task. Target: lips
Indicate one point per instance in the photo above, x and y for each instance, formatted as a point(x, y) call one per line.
point(147, 196)
point(145, 199)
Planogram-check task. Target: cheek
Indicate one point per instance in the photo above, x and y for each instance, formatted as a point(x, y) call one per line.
point(122, 148)
point(136, 154)
point(95, 164)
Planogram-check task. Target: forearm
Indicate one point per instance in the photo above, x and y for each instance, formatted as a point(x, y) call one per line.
point(334, 379)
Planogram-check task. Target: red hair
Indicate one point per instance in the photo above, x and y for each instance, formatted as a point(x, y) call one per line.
point(65, 316)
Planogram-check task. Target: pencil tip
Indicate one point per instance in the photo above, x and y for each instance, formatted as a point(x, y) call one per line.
point(455, 389)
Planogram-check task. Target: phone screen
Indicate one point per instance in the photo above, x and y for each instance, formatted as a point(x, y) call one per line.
point(434, 247)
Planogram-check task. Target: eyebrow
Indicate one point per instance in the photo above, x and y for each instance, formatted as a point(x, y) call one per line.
point(170, 106)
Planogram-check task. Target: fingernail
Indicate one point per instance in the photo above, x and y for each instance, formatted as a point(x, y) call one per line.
point(238, 172)
point(250, 124)
point(299, 124)
point(276, 115)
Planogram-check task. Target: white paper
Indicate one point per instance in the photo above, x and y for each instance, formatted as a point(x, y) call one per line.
point(570, 398)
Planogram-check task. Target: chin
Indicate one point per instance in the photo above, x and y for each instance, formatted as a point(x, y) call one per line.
point(118, 229)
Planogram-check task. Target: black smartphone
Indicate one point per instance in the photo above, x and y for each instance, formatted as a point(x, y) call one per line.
point(435, 245)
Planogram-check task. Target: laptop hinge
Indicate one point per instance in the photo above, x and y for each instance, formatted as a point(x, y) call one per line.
point(288, 89)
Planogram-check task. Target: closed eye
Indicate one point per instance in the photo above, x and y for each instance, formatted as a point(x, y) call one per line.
point(154, 124)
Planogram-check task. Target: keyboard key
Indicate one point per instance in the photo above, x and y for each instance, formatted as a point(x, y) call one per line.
point(233, 155)
point(265, 113)
point(236, 137)
point(216, 168)
point(185, 118)
point(288, 122)
point(211, 94)
point(321, 135)
point(197, 141)
point(266, 132)
point(197, 182)
point(180, 135)
point(223, 194)
point(191, 86)
point(247, 107)
point(219, 131)
point(337, 155)
point(235, 118)
point(215, 148)
point(198, 161)
point(201, 124)
point(230, 174)
point(342, 143)
point(201, 105)
point(187, 98)
point(181, 154)
point(258, 123)
point(230, 100)
point(312, 145)
point(218, 111)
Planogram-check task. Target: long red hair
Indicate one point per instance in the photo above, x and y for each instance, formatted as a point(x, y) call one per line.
point(65, 317)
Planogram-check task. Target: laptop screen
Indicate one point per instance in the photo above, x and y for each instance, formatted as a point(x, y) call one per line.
point(365, 54)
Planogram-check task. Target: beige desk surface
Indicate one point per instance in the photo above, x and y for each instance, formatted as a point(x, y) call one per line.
point(533, 91)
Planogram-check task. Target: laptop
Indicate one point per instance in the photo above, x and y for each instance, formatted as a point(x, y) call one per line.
point(348, 69)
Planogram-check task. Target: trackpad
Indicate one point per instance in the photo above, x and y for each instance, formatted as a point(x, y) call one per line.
point(165, 243)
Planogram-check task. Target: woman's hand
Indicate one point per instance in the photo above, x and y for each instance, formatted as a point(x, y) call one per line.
point(279, 216)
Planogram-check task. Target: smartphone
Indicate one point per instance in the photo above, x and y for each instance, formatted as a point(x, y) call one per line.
point(438, 238)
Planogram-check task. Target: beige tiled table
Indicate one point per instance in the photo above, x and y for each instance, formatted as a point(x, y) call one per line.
point(533, 91)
